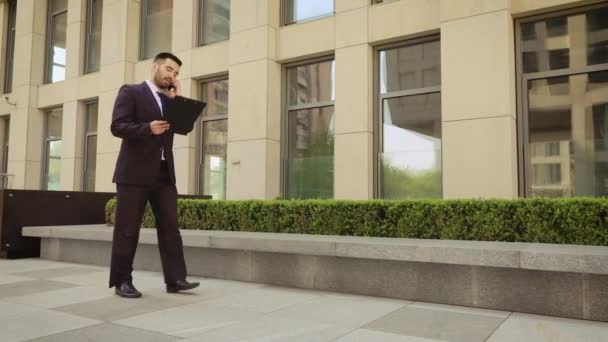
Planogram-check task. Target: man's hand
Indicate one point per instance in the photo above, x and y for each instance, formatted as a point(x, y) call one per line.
point(159, 127)
point(175, 90)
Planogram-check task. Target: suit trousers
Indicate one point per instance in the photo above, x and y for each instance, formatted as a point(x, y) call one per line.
point(130, 206)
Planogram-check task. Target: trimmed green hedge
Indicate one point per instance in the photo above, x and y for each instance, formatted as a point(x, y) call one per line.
point(569, 221)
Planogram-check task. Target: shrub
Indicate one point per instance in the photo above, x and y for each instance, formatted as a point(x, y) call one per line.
point(563, 221)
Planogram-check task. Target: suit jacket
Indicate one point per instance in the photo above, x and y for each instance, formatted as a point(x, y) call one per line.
point(140, 152)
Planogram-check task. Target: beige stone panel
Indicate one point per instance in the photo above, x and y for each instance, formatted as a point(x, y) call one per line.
point(51, 94)
point(29, 60)
point(273, 110)
point(24, 96)
point(183, 164)
point(387, 21)
point(451, 10)
point(3, 34)
point(353, 105)
point(347, 5)
point(525, 7)
point(120, 32)
point(142, 71)
point(187, 171)
point(75, 48)
point(31, 17)
point(479, 158)
point(71, 174)
point(6, 108)
point(272, 13)
point(479, 52)
point(72, 130)
point(114, 76)
point(248, 176)
point(273, 169)
point(183, 141)
point(249, 14)
point(351, 28)
point(310, 38)
point(188, 87)
point(106, 141)
point(35, 134)
point(243, 15)
point(353, 167)
point(184, 24)
point(248, 101)
point(88, 86)
point(185, 71)
point(26, 174)
point(18, 136)
point(16, 170)
point(210, 59)
point(106, 163)
point(252, 45)
point(77, 10)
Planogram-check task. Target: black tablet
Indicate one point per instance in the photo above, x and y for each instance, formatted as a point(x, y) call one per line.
point(181, 113)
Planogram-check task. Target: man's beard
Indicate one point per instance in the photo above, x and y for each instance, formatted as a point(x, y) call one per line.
point(160, 82)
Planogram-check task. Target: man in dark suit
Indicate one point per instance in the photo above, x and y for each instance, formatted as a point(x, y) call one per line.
point(145, 172)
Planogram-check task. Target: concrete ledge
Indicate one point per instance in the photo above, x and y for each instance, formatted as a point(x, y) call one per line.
point(532, 256)
point(560, 280)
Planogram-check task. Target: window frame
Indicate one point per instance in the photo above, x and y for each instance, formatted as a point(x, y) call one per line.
point(143, 10)
point(284, 14)
point(285, 108)
point(87, 135)
point(50, 18)
point(88, 33)
point(522, 79)
point(9, 51)
point(47, 140)
point(199, 183)
point(378, 99)
point(201, 24)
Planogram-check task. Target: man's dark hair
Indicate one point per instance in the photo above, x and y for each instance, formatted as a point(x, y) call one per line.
point(169, 55)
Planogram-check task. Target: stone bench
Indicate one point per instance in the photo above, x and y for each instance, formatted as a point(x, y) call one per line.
point(560, 280)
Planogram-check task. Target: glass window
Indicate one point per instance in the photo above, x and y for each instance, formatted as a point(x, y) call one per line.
point(548, 44)
point(56, 41)
point(214, 21)
point(309, 164)
point(214, 139)
point(90, 146)
point(9, 53)
point(409, 161)
point(93, 37)
point(566, 113)
point(157, 21)
point(300, 10)
point(52, 165)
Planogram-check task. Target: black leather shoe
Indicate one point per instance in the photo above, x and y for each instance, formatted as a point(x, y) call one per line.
point(127, 290)
point(181, 285)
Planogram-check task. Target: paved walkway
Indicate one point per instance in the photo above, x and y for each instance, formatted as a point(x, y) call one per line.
point(61, 302)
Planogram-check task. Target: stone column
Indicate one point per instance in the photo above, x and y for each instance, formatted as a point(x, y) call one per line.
point(119, 53)
point(72, 129)
point(27, 121)
point(253, 169)
point(479, 118)
point(185, 22)
point(354, 138)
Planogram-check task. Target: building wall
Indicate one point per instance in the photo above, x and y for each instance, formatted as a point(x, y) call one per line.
point(478, 88)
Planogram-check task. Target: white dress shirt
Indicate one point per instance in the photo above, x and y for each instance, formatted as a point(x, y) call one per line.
point(155, 91)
